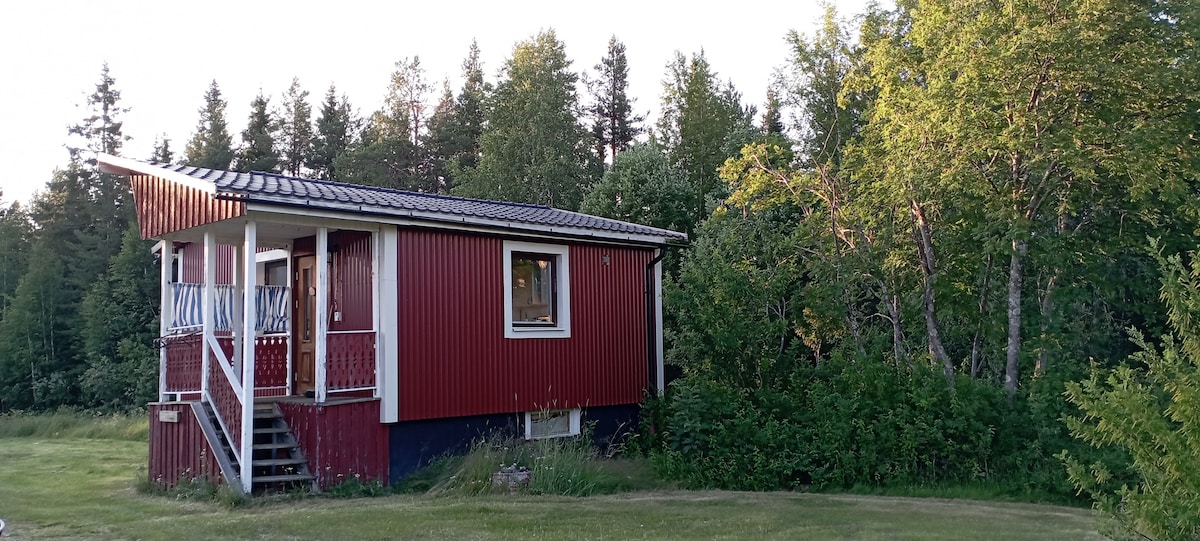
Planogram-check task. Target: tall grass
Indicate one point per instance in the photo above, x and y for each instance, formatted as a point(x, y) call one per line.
point(559, 466)
point(74, 424)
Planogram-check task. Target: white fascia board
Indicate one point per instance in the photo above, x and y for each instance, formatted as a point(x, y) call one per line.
point(121, 166)
point(446, 221)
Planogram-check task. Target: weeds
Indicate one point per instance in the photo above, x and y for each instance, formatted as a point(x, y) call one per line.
point(559, 466)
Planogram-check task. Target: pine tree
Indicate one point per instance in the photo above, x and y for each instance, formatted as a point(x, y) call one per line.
point(387, 153)
point(333, 135)
point(258, 151)
point(162, 152)
point(439, 141)
point(211, 145)
point(614, 126)
point(296, 132)
point(534, 149)
point(470, 113)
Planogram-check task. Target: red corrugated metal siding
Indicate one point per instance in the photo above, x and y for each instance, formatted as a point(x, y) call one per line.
point(164, 206)
point(454, 359)
point(178, 451)
point(352, 291)
point(191, 257)
point(340, 440)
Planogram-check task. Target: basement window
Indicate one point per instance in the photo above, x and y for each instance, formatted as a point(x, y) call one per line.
point(551, 424)
point(537, 300)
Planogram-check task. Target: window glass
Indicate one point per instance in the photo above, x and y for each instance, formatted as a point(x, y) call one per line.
point(533, 289)
point(276, 273)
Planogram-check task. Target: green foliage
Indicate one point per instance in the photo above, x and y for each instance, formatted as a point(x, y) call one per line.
point(387, 152)
point(211, 145)
point(1149, 408)
point(534, 149)
point(354, 487)
point(642, 188)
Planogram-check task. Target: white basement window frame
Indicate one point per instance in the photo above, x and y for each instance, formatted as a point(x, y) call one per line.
point(537, 304)
point(546, 424)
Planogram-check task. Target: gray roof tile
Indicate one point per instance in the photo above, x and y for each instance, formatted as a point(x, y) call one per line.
point(280, 189)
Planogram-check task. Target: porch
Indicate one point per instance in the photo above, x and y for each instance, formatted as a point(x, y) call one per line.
point(262, 311)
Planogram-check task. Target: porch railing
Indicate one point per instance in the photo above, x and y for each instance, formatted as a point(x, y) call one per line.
point(349, 361)
point(185, 362)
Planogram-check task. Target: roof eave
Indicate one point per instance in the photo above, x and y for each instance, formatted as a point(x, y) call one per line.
point(292, 205)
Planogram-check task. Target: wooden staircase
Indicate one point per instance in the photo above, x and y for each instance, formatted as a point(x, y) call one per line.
point(277, 461)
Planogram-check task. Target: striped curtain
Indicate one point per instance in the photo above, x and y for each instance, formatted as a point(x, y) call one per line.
point(272, 309)
point(188, 305)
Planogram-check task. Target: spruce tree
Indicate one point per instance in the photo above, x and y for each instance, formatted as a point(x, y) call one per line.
point(296, 132)
point(211, 145)
point(162, 152)
point(258, 151)
point(333, 135)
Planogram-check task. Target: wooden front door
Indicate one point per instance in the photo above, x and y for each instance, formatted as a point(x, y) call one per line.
point(304, 332)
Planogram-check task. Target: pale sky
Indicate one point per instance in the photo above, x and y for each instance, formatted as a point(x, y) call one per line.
point(163, 54)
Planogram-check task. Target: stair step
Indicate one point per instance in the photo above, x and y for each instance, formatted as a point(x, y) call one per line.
point(277, 445)
point(272, 430)
point(267, 414)
point(283, 478)
point(279, 462)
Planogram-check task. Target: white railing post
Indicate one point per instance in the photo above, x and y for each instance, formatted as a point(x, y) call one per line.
point(322, 315)
point(249, 319)
point(208, 304)
point(291, 322)
point(235, 314)
point(658, 323)
point(166, 254)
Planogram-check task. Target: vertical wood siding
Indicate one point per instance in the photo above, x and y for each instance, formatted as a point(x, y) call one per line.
point(340, 440)
point(352, 287)
point(164, 206)
point(191, 258)
point(179, 451)
point(454, 360)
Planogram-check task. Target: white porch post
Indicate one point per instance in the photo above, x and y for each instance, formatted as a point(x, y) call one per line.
point(322, 323)
point(208, 304)
point(166, 310)
point(291, 321)
point(235, 316)
point(248, 329)
point(387, 329)
point(658, 322)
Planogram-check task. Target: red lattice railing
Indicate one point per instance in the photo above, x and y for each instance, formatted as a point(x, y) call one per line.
point(270, 365)
point(350, 361)
point(225, 401)
point(185, 362)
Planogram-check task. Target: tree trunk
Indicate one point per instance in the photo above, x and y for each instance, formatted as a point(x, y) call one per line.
point(977, 341)
point(1039, 367)
point(1015, 280)
point(929, 273)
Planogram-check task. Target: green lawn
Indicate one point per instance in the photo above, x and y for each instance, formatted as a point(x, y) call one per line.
point(83, 489)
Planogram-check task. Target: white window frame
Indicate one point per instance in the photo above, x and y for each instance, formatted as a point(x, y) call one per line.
point(562, 311)
point(573, 430)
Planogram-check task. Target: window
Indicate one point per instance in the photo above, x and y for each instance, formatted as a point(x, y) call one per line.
point(551, 424)
point(537, 302)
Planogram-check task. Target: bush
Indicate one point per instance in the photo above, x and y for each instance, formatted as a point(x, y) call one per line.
point(865, 425)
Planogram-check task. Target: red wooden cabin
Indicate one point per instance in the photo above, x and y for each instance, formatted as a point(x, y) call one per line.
point(314, 331)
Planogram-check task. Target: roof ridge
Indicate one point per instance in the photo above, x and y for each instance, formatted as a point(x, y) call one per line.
point(405, 192)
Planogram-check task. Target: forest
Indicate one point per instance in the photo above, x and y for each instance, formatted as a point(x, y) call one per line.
point(952, 245)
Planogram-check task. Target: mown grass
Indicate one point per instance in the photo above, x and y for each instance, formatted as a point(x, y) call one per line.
point(79, 488)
